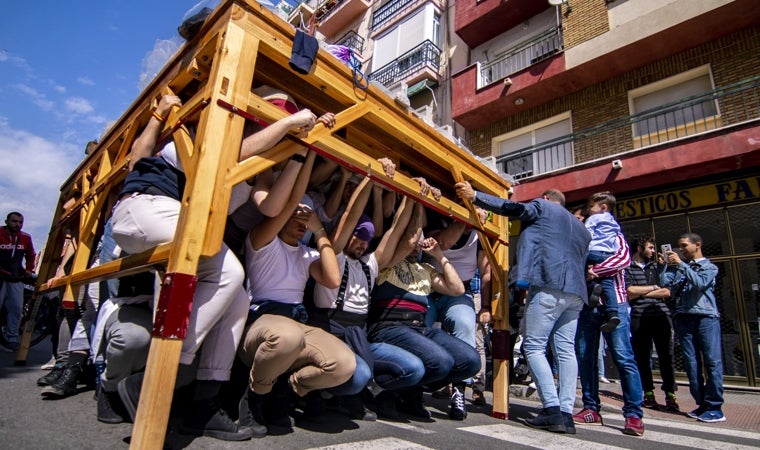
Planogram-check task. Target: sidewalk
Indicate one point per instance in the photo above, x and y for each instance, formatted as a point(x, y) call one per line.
point(741, 407)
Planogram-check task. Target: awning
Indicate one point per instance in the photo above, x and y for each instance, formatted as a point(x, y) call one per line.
point(420, 86)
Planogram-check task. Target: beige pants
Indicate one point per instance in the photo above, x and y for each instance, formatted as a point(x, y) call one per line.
point(274, 345)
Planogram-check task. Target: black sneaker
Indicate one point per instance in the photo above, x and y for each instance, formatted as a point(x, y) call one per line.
point(52, 376)
point(315, 408)
point(110, 408)
point(206, 419)
point(412, 403)
point(251, 413)
point(354, 406)
point(548, 419)
point(385, 406)
point(569, 423)
point(610, 324)
point(129, 392)
point(457, 410)
point(65, 385)
point(595, 295)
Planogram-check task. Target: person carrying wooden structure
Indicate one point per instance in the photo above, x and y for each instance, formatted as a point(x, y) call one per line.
point(239, 47)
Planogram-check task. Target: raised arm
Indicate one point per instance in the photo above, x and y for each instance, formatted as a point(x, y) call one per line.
point(325, 270)
point(350, 217)
point(145, 144)
point(411, 236)
point(447, 282)
point(387, 247)
point(270, 196)
point(265, 231)
point(303, 120)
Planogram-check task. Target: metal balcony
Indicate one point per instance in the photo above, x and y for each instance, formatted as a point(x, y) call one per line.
point(713, 110)
point(353, 41)
point(424, 56)
point(334, 16)
point(520, 56)
point(387, 11)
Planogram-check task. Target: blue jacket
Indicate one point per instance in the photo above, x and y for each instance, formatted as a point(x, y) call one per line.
point(553, 244)
point(692, 288)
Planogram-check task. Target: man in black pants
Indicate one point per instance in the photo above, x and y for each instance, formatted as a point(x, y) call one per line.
point(650, 321)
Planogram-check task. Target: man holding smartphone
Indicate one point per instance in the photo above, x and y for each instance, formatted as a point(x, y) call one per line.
point(697, 324)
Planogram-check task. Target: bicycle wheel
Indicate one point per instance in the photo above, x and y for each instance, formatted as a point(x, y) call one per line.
point(45, 319)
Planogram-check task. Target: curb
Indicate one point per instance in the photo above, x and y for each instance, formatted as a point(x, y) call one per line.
point(527, 393)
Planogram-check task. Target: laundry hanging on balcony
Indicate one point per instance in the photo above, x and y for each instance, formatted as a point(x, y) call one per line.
point(348, 56)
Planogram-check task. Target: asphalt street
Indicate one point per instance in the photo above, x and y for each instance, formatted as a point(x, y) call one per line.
point(29, 422)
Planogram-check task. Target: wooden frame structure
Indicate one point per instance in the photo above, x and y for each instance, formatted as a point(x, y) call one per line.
point(242, 45)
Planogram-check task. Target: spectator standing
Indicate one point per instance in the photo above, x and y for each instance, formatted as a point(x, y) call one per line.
point(15, 247)
point(619, 344)
point(551, 257)
point(650, 322)
point(697, 324)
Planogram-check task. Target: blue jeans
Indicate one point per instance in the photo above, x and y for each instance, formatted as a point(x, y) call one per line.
point(446, 359)
point(551, 317)
point(395, 368)
point(619, 345)
point(608, 283)
point(456, 314)
point(699, 337)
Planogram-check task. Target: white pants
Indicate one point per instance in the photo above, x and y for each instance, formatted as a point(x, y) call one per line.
point(220, 305)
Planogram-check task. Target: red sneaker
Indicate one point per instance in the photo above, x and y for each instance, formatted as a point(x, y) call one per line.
point(634, 426)
point(588, 417)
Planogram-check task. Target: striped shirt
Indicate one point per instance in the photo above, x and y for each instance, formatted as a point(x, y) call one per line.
point(646, 275)
point(615, 266)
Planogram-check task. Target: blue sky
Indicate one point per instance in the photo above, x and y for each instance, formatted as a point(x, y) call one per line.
point(68, 70)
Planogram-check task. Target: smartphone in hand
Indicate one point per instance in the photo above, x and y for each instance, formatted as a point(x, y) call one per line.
point(666, 248)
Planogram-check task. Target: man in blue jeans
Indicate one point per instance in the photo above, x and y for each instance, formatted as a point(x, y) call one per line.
point(551, 261)
point(697, 324)
point(619, 344)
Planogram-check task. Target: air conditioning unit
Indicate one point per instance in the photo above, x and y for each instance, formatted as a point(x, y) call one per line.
point(425, 113)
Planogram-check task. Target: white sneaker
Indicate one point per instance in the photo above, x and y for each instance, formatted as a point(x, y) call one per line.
point(48, 365)
point(604, 380)
point(532, 385)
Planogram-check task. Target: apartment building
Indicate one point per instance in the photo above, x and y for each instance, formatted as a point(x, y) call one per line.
point(655, 100)
point(407, 47)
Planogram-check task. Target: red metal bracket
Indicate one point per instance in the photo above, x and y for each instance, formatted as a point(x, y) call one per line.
point(174, 305)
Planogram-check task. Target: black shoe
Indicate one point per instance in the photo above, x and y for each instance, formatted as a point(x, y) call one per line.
point(385, 406)
point(412, 403)
point(315, 408)
point(610, 324)
point(65, 385)
point(206, 419)
point(457, 409)
point(277, 405)
point(129, 393)
point(251, 414)
point(52, 376)
point(110, 408)
point(595, 295)
point(548, 419)
point(354, 405)
point(569, 423)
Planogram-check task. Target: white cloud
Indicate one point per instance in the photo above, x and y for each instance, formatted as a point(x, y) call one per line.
point(60, 89)
point(86, 81)
point(3, 55)
point(37, 97)
point(156, 59)
point(79, 105)
point(33, 170)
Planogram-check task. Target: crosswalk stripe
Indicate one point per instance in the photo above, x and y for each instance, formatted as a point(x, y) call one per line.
point(408, 427)
point(684, 440)
point(695, 426)
point(533, 438)
point(376, 444)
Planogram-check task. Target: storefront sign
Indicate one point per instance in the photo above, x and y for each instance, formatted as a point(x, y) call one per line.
point(722, 193)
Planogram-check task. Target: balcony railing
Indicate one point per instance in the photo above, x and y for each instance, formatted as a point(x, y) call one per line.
point(353, 41)
point(387, 11)
point(326, 7)
point(424, 55)
point(521, 56)
point(720, 108)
